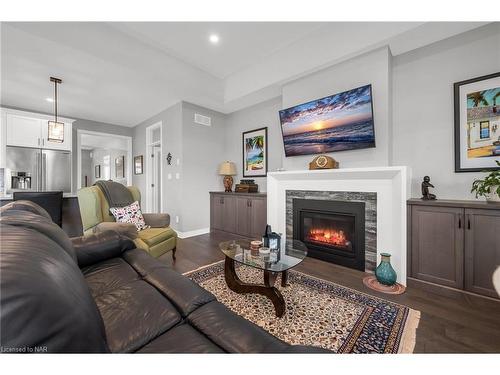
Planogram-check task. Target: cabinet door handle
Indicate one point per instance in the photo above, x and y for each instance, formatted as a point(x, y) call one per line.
point(250, 203)
point(459, 221)
point(468, 222)
point(38, 141)
point(222, 201)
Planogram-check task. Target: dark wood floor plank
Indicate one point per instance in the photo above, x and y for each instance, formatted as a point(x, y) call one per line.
point(450, 322)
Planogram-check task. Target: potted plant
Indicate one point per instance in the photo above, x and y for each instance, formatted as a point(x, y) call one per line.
point(489, 187)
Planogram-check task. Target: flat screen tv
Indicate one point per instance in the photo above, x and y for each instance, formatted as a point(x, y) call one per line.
point(338, 122)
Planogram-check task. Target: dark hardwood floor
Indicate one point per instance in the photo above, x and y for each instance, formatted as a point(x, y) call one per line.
point(450, 322)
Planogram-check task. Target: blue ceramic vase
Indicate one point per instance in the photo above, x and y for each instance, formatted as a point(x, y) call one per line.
point(385, 273)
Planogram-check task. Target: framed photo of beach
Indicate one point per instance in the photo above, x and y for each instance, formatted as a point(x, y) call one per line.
point(477, 123)
point(255, 153)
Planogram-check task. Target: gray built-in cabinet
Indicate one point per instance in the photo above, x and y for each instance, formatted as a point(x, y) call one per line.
point(454, 243)
point(243, 214)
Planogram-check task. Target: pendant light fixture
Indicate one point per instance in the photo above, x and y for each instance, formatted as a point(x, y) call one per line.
point(56, 129)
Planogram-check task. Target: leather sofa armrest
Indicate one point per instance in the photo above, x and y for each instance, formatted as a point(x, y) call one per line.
point(157, 220)
point(101, 246)
point(125, 229)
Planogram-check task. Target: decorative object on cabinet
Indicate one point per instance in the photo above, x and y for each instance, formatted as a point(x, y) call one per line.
point(323, 162)
point(255, 153)
point(384, 272)
point(488, 187)
point(454, 243)
point(97, 171)
point(138, 164)
point(247, 186)
point(120, 167)
point(426, 184)
point(227, 169)
point(242, 214)
point(169, 158)
point(477, 120)
point(55, 128)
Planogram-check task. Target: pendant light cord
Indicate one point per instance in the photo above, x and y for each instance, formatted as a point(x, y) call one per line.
point(55, 101)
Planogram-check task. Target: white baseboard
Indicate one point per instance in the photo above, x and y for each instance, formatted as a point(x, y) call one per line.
point(193, 233)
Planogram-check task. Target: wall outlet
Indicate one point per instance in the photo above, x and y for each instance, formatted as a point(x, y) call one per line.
point(169, 176)
point(177, 219)
point(177, 176)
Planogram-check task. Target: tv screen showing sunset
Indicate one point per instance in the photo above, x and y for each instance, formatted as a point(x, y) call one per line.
point(338, 122)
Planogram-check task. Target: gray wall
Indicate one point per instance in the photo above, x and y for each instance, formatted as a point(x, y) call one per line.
point(423, 106)
point(171, 119)
point(415, 128)
point(374, 68)
point(203, 151)
point(198, 149)
point(259, 116)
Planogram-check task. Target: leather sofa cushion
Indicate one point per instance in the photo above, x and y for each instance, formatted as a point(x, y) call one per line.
point(134, 314)
point(45, 300)
point(181, 339)
point(106, 276)
point(38, 224)
point(153, 236)
point(233, 333)
point(185, 294)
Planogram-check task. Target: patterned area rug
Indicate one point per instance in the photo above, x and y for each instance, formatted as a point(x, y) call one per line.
point(318, 312)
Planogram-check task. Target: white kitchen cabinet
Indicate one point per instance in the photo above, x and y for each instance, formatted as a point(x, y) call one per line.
point(28, 129)
point(23, 131)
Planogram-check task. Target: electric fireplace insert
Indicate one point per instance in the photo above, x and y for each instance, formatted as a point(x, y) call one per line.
point(333, 231)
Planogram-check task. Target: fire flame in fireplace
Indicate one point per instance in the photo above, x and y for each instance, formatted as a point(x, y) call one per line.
point(329, 236)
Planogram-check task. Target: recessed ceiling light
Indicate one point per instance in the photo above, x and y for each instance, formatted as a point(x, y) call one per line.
point(213, 38)
point(50, 100)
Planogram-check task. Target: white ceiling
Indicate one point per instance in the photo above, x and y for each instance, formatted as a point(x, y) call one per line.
point(124, 73)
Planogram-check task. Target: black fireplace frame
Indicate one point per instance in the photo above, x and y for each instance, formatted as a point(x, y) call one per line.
point(355, 260)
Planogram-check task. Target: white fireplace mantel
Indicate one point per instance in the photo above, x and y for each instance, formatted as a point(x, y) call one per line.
point(390, 183)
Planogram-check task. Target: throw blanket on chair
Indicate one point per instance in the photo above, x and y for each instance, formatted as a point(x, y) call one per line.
point(116, 194)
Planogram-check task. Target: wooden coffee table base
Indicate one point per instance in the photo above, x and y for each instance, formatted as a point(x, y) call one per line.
point(236, 285)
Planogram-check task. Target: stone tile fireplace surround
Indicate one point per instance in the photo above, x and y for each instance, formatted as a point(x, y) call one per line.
point(370, 200)
point(383, 189)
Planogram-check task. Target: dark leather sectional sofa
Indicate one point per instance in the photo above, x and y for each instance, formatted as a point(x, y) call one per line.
point(101, 294)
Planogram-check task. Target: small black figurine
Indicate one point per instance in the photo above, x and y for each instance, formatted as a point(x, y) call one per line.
point(169, 158)
point(426, 184)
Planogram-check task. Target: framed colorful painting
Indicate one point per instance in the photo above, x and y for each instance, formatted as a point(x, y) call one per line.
point(255, 153)
point(477, 123)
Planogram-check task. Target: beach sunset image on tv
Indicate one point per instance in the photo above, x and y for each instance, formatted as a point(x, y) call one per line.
point(338, 122)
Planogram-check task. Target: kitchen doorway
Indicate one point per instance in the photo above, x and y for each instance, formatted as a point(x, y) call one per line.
point(154, 196)
point(103, 156)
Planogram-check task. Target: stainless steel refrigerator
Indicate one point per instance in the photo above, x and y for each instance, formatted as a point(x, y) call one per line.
point(37, 170)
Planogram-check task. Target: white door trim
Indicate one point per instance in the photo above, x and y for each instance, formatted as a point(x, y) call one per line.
point(79, 133)
point(150, 165)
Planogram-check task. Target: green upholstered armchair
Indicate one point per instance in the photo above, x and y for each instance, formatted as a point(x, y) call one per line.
point(94, 210)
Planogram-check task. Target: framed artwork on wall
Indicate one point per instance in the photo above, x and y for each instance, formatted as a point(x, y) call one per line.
point(477, 123)
point(97, 171)
point(138, 164)
point(120, 167)
point(255, 153)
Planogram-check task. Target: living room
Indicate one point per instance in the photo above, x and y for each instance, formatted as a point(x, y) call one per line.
point(190, 185)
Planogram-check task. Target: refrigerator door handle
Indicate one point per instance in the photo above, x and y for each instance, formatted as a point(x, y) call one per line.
point(44, 171)
point(38, 184)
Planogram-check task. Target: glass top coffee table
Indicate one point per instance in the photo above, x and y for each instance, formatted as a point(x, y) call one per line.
point(292, 252)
